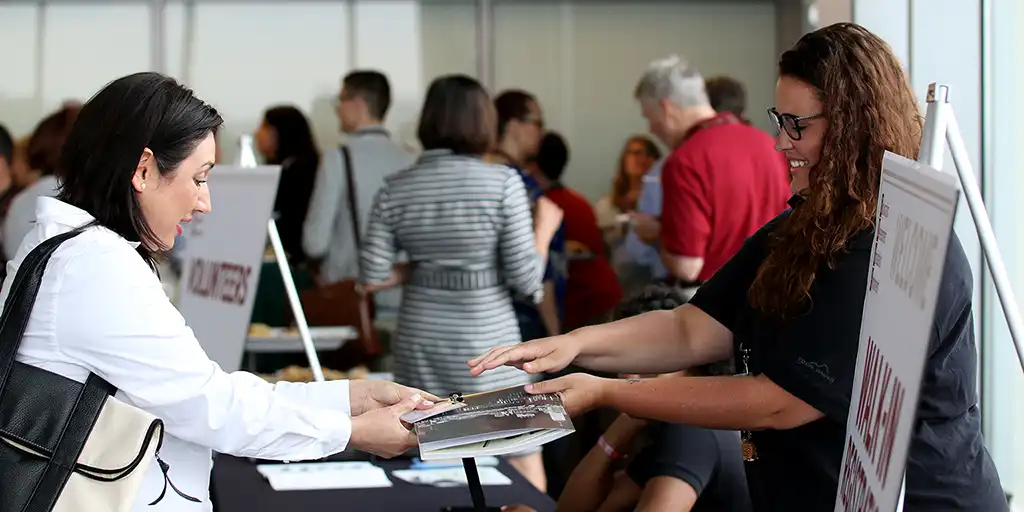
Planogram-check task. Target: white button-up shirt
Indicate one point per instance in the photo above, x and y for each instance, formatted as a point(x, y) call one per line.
point(101, 309)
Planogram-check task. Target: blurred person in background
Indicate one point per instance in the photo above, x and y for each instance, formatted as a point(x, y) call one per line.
point(592, 290)
point(722, 181)
point(642, 262)
point(727, 94)
point(7, 189)
point(284, 138)
point(467, 230)
point(636, 262)
point(520, 125)
point(38, 178)
point(636, 160)
point(328, 239)
point(6, 162)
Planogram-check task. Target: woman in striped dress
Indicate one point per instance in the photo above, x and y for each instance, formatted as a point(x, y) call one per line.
point(470, 238)
point(467, 229)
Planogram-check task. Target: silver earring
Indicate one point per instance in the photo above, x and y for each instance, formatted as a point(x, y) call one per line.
point(143, 186)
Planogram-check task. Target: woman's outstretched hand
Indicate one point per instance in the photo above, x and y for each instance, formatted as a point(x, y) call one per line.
point(580, 392)
point(537, 356)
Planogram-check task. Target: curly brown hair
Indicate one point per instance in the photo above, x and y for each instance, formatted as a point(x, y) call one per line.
point(871, 109)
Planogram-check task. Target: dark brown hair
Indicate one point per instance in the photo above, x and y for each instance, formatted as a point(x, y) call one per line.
point(458, 116)
point(620, 185)
point(870, 108)
point(511, 105)
point(129, 115)
point(372, 87)
point(727, 95)
point(48, 138)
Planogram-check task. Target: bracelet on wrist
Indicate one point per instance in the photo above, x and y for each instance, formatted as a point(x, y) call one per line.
point(609, 450)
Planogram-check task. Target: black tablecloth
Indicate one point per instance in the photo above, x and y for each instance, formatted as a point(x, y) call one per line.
point(237, 487)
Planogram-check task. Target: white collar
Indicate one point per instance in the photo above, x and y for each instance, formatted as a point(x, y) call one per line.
point(50, 210)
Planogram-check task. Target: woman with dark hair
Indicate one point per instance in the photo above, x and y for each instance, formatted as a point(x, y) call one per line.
point(36, 179)
point(788, 305)
point(466, 227)
point(134, 168)
point(284, 138)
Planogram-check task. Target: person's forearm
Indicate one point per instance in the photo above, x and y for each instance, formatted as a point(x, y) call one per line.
point(589, 483)
point(549, 310)
point(649, 343)
point(543, 243)
point(684, 268)
point(726, 403)
point(399, 274)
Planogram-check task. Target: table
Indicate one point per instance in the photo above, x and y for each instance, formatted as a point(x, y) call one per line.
point(280, 340)
point(237, 487)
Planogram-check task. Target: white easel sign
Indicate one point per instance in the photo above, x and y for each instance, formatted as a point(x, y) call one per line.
point(914, 222)
point(222, 257)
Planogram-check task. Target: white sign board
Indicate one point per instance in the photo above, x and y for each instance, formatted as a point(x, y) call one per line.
point(222, 257)
point(914, 221)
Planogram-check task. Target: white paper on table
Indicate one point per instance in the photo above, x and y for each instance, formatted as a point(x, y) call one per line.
point(307, 476)
point(451, 476)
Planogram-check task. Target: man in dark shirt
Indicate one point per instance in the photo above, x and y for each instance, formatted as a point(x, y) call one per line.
point(709, 462)
point(814, 358)
point(592, 289)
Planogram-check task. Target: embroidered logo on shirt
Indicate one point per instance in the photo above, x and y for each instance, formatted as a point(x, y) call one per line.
point(820, 369)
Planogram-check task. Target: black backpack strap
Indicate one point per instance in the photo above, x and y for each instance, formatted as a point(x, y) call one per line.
point(351, 195)
point(22, 297)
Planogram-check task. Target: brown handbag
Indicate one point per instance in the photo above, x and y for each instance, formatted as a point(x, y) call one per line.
point(343, 302)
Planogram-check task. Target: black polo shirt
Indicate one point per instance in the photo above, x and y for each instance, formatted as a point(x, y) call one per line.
point(813, 356)
point(709, 461)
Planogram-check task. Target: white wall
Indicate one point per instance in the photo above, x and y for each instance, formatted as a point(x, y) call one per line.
point(240, 56)
point(96, 43)
point(582, 60)
point(1004, 381)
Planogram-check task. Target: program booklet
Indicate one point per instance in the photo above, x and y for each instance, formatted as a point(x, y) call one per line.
point(491, 423)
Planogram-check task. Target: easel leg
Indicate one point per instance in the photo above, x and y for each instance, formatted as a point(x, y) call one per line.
point(476, 490)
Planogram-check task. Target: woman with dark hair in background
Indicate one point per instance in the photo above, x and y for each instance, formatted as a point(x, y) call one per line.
point(284, 138)
point(134, 168)
point(7, 187)
point(467, 229)
point(36, 178)
point(789, 306)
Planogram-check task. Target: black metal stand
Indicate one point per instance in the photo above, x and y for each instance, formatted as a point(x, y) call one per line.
point(475, 489)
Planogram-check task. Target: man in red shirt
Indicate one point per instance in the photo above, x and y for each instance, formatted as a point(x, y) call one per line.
point(722, 181)
point(593, 290)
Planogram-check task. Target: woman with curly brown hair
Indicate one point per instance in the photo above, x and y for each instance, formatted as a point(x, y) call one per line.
point(788, 306)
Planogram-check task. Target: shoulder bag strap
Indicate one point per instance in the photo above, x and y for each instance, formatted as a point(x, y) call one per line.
point(22, 297)
point(353, 205)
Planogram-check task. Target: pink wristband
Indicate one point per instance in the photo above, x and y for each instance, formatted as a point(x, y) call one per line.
point(609, 450)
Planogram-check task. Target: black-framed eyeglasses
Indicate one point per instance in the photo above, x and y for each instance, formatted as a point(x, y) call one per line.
point(792, 124)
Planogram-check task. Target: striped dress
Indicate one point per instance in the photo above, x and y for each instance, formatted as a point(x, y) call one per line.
point(467, 229)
